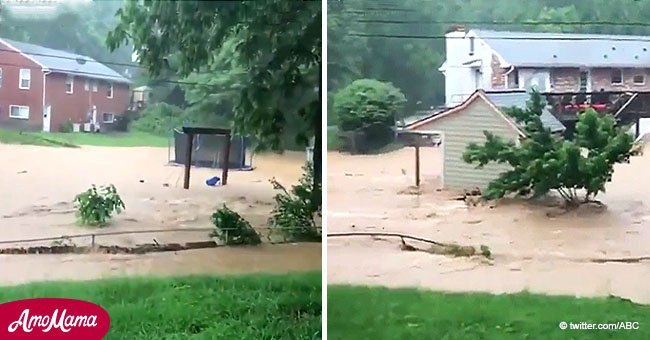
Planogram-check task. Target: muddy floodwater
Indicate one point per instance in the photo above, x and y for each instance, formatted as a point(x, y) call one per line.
point(275, 259)
point(587, 252)
point(39, 185)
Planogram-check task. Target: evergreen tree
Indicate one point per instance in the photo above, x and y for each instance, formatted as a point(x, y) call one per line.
point(543, 162)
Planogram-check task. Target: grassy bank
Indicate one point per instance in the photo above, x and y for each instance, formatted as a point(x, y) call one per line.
point(123, 139)
point(30, 138)
point(378, 313)
point(242, 307)
point(128, 139)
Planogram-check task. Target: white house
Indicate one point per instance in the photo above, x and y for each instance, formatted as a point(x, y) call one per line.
point(550, 62)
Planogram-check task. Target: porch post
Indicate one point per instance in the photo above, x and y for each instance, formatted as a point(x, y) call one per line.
point(188, 160)
point(417, 166)
point(226, 161)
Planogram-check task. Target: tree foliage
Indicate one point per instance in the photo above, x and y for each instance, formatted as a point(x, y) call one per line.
point(232, 229)
point(543, 162)
point(278, 45)
point(97, 205)
point(294, 214)
point(366, 102)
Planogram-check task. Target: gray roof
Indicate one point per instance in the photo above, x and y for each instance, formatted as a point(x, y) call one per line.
point(420, 116)
point(526, 49)
point(519, 99)
point(66, 62)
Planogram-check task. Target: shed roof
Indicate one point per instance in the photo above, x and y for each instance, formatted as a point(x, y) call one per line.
point(527, 49)
point(66, 62)
point(520, 99)
point(498, 101)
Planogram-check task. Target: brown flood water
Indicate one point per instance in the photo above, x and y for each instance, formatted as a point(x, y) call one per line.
point(274, 259)
point(535, 249)
point(39, 184)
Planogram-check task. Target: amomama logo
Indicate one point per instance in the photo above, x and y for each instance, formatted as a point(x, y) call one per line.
point(53, 318)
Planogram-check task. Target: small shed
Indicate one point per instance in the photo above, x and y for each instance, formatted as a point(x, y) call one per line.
point(465, 123)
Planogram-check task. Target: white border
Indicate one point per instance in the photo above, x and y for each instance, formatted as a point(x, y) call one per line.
point(71, 78)
point(20, 79)
point(19, 107)
point(108, 121)
point(324, 166)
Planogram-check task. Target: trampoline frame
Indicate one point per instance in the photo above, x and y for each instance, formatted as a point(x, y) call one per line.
point(245, 164)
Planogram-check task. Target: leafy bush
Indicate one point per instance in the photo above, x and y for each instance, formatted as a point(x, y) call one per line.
point(294, 212)
point(158, 119)
point(232, 229)
point(66, 127)
point(97, 206)
point(367, 101)
point(544, 162)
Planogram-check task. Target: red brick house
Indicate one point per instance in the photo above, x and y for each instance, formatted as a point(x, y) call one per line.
point(42, 89)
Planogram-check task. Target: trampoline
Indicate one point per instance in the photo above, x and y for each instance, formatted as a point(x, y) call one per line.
point(207, 151)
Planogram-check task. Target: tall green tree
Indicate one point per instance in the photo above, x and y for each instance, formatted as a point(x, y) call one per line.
point(280, 48)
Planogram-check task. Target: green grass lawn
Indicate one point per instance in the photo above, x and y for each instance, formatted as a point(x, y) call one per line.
point(29, 138)
point(75, 139)
point(231, 307)
point(109, 139)
point(379, 313)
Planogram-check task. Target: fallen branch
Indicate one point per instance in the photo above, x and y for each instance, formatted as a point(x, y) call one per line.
point(437, 248)
point(620, 260)
point(403, 236)
point(138, 249)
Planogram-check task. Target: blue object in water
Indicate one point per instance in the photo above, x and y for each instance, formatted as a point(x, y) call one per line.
point(213, 181)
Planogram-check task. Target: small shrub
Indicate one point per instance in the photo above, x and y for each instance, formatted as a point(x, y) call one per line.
point(66, 127)
point(577, 169)
point(96, 206)
point(293, 214)
point(232, 229)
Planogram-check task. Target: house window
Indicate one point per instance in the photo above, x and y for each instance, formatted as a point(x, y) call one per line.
point(25, 79)
point(94, 86)
point(617, 76)
point(69, 84)
point(471, 45)
point(478, 79)
point(515, 75)
point(108, 117)
point(513, 79)
point(18, 112)
point(639, 79)
point(87, 85)
point(109, 93)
